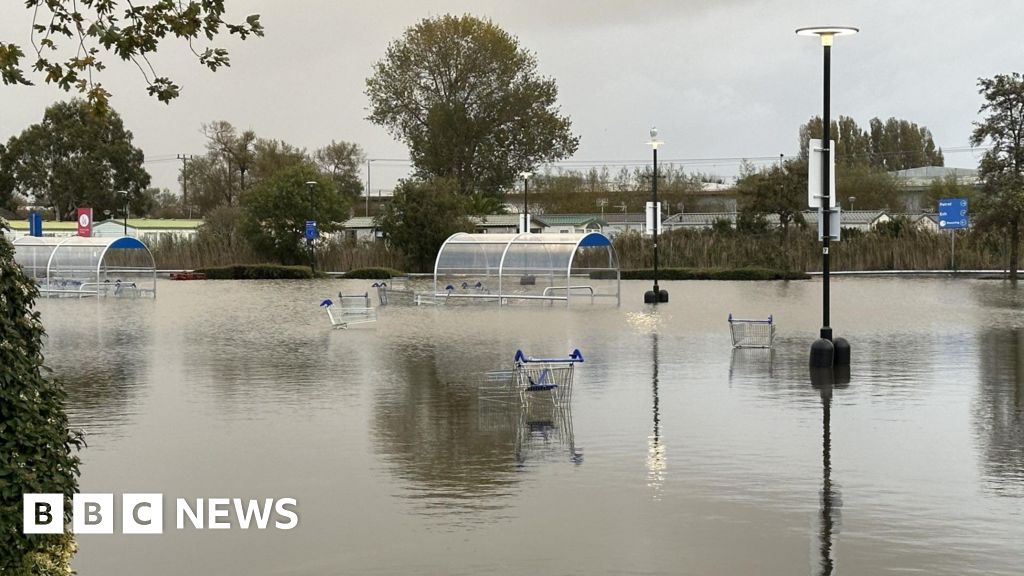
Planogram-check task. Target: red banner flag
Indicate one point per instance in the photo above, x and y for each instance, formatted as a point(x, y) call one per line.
point(85, 221)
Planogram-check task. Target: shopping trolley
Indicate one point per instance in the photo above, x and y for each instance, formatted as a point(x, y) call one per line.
point(752, 333)
point(349, 314)
point(551, 377)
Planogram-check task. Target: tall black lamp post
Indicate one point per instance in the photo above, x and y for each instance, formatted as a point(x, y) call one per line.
point(125, 192)
point(309, 238)
point(825, 351)
point(526, 279)
point(656, 295)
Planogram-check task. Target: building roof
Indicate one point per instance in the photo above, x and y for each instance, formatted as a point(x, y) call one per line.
point(617, 218)
point(47, 225)
point(507, 220)
point(699, 218)
point(360, 222)
point(151, 223)
point(572, 220)
point(925, 175)
point(850, 217)
point(931, 172)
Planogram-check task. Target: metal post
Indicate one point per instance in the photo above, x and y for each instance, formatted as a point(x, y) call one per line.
point(528, 279)
point(827, 352)
point(368, 187)
point(826, 120)
point(309, 241)
point(526, 204)
point(654, 194)
point(657, 294)
point(952, 250)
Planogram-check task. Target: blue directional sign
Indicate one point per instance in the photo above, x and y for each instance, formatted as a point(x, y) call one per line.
point(311, 233)
point(952, 213)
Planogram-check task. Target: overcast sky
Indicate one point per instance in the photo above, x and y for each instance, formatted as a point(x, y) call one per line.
point(721, 80)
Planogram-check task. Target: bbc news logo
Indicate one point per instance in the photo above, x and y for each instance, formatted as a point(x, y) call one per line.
point(144, 514)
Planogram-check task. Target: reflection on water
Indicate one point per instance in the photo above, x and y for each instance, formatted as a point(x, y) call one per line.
point(748, 361)
point(425, 423)
point(657, 460)
point(825, 381)
point(404, 463)
point(105, 345)
point(999, 410)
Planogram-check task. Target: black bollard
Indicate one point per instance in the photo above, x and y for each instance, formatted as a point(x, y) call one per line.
point(842, 352)
point(841, 374)
point(822, 353)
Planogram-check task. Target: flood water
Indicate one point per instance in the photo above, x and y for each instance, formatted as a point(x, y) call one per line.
point(676, 455)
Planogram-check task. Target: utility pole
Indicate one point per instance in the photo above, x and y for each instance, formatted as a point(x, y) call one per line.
point(184, 181)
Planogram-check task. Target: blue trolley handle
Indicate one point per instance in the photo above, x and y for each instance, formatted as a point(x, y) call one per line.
point(575, 356)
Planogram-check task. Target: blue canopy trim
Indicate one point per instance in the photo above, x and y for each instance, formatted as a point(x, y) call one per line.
point(595, 239)
point(128, 243)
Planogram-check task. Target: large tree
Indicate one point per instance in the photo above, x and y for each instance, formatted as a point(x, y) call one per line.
point(7, 198)
point(895, 144)
point(779, 190)
point(421, 216)
point(76, 157)
point(234, 161)
point(275, 211)
point(341, 161)
point(469, 103)
point(1002, 166)
point(70, 37)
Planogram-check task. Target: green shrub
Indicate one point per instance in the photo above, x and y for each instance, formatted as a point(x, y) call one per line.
point(37, 447)
point(372, 273)
point(714, 274)
point(257, 272)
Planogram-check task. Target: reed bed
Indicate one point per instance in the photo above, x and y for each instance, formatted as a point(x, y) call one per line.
point(172, 253)
point(801, 250)
point(687, 249)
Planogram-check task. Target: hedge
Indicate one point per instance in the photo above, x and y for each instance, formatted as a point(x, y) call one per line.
point(715, 274)
point(257, 272)
point(372, 273)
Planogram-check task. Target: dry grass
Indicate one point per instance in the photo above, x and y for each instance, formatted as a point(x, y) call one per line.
point(210, 251)
point(802, 251)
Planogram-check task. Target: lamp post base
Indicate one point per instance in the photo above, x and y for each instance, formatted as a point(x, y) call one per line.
point(652, 297)
point(822, 353)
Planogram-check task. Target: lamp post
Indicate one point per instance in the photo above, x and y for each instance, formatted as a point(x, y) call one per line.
point(526, 279)
point(125, 192)
point(368, 160)
point(309, 237)
point(526, 200)
point(852, 200)
point(825, 351)
point(656, 295)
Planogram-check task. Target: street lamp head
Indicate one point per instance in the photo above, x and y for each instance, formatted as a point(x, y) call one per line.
point(654, 138)
point(125, 192)
point(525, 175)
point(311, 183)
point(826, 33)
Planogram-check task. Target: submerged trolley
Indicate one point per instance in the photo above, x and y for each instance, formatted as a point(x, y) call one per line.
point(350, 314)
point(533, 377)
point(752, 333)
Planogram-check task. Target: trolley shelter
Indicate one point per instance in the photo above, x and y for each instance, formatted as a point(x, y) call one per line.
point(81, 266)
point(545, 267)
